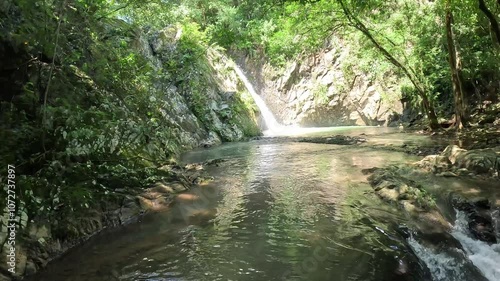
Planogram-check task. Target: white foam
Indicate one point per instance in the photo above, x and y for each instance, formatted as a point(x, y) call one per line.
point(271, 123)
point(443, 267)
point(485, 257)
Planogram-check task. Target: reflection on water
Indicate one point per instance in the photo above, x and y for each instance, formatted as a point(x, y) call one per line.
point(277, 211)
point(294, 130)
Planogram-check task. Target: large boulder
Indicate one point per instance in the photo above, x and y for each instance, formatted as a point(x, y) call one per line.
point(480, 161)
point(166, 39)
point(451, 152)
point(457, 161)
point(435, 163)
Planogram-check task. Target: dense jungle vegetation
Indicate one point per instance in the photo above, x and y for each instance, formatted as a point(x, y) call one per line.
point(82, 110)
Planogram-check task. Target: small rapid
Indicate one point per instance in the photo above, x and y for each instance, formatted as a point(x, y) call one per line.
point(443, 265)
point(448, 263)
point(484, 256)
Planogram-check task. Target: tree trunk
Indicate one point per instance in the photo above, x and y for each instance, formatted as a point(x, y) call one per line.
point(493, 21)
point(426, 104)
point(455, 66)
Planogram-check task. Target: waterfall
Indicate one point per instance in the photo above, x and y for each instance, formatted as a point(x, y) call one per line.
point(453, 264)
point(485, 257)
point(443, 266)
point(272, 125)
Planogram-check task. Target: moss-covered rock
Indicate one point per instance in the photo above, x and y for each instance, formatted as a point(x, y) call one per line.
point(390, 184)
point(457, 161)
point(393, 186)
point(338, 139)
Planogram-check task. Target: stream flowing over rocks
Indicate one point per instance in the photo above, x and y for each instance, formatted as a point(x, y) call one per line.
point(249, 140)
point(303, 208)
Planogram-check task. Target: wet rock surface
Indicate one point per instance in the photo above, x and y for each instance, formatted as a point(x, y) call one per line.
point(479, 216)
point(334, 139)
point(338, 139)
point(433, 234)
point(391, 185)
point(455, 161)
point(411, 149)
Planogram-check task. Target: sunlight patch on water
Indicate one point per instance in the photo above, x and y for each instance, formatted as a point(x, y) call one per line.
point(296, 130)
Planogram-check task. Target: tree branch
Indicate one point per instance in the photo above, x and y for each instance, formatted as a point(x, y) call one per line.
point(52, 66)
point(356, 23)
point(493, 21)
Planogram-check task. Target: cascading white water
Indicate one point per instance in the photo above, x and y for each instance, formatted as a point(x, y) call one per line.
point(485, 257)
point(274, 128)
point(445, 266)
point(272, 125)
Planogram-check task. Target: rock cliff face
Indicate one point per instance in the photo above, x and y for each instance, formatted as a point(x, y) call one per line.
point(193, 120)
point(323, 90)
point(223, 94)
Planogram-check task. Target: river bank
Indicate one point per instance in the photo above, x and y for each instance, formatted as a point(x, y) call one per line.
point(41, 242)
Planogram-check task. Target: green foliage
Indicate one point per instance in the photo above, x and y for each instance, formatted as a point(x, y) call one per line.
point(423, 198)
point(90, 116)
point(103, 127)
point(411, 31)
point(86, 97)
point(320, 92)
point(243, 114)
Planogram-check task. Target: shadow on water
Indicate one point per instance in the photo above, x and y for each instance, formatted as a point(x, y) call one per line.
point(276, 211)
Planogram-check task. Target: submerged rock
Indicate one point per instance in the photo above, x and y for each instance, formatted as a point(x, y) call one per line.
point(338, 139)
point(391, 185)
